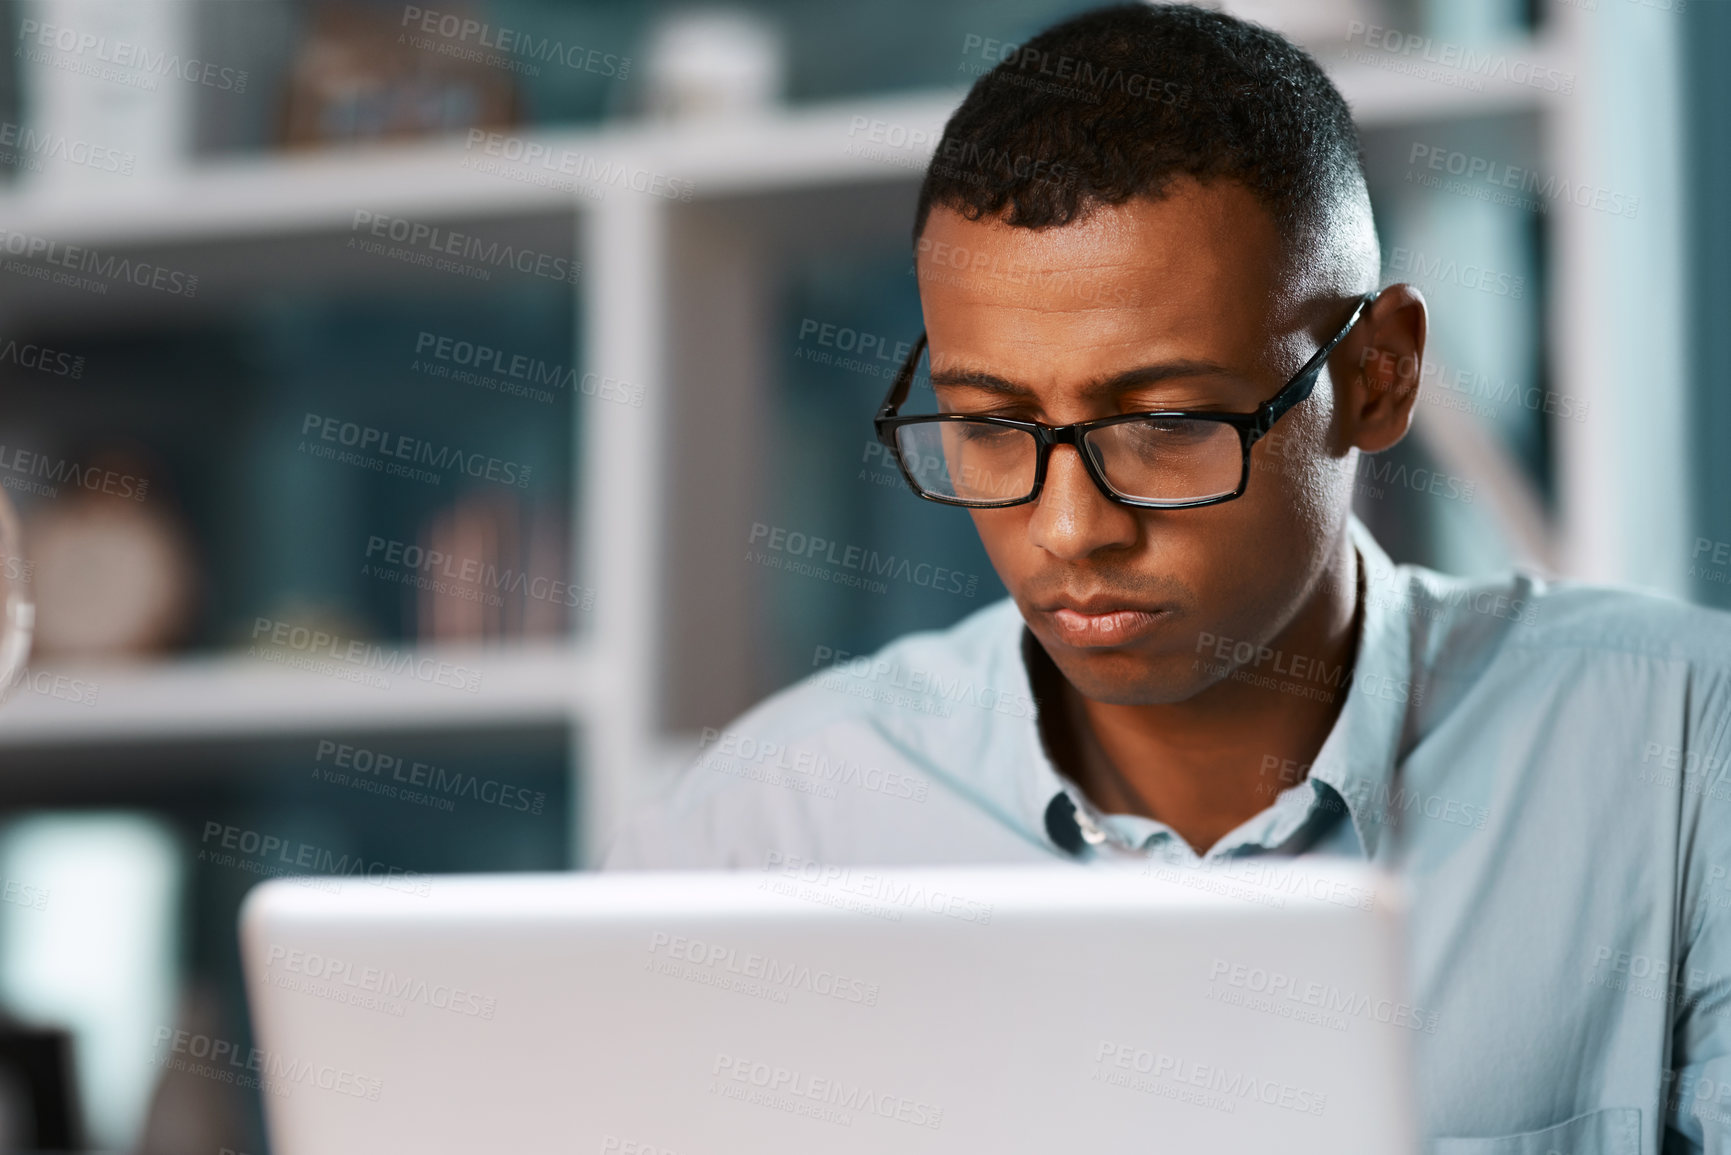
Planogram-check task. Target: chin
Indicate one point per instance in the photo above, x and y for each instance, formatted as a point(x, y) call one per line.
point(1127, 679)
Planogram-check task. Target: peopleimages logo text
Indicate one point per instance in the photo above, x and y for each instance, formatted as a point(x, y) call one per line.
point(1544, 188)
point(810, 547)
point(38, 144)
point(522, 367)
point(122, 54)
point(28, 355)
point(306, 642)
point(464, 30)
point(225, 1061)
point(377, 980)
point(470, 571)
point(846, 1097)
point(403, 448)
point(1486, 64)
point(80, 259)
point(435, 239)
point(308, 858)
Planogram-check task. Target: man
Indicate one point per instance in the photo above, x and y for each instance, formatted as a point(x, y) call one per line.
point(1204, 656)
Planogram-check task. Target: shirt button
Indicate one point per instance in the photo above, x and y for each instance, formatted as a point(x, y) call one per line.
point(1091, 833)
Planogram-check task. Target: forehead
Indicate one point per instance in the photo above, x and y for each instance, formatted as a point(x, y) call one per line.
point(1195, 273)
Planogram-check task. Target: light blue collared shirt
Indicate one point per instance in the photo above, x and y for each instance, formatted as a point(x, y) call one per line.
point(1544, 763)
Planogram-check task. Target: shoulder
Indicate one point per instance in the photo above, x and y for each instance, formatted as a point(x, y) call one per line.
point(828, 751)
point(1588, 617)
point(1522, 611)
point(1519, 640)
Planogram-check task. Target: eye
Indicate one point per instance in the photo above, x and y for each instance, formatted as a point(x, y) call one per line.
point(970, 431)
point(1171, 430)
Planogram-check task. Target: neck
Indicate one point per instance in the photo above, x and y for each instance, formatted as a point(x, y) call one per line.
point(1204, 765)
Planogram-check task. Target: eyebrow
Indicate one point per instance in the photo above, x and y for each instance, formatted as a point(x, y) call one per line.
point(1106, 386)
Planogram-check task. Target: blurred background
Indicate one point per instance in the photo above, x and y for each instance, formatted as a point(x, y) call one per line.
point(418, 412)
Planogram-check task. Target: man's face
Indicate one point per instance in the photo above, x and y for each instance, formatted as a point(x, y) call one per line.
point(1021, 322)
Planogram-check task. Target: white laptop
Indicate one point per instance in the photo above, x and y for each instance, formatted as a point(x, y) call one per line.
point(803, 1009)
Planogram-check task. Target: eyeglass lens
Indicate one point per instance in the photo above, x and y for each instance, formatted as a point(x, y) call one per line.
point(1174, 460)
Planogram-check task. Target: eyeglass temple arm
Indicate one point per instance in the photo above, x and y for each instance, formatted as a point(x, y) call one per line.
point(904, 380)
point(1305, 379)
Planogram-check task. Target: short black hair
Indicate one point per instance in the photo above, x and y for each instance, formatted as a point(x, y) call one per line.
point(1113, 103)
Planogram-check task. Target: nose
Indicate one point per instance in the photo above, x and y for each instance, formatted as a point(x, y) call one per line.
point(1072, 518)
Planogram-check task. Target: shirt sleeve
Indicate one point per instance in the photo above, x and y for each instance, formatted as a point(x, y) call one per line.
point(1696, 1088)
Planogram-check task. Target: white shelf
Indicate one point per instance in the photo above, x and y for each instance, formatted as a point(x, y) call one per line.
point(791, 149)
point(238, 199)
point(287, 194)
point(234, 696)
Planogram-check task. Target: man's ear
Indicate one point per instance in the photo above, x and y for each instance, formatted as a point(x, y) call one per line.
point(1377, 384)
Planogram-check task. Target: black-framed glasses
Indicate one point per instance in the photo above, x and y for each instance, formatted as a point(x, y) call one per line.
point(1160, 459)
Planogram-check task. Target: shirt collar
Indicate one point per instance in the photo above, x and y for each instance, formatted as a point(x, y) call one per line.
point(1357, 758)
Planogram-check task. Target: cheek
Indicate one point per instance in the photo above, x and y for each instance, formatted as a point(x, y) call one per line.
point(1293, 476)
point(1004, 533)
